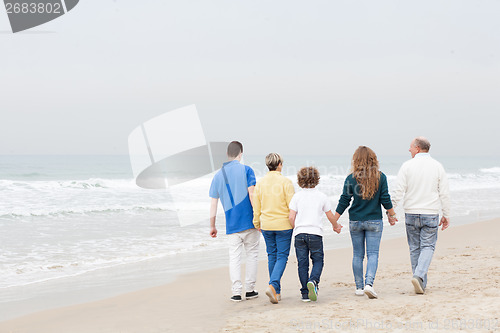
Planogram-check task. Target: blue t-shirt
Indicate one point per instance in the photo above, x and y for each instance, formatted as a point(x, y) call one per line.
point(233, 195)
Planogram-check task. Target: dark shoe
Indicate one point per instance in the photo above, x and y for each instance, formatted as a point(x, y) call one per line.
point(305, 298)
point(313, 290)
point(236, 298)
point(251, 294)
point(418, 284)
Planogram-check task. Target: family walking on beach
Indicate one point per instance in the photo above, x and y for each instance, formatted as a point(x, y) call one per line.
point(272, 208)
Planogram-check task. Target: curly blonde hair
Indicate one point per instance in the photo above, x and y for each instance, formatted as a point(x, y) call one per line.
point(308, 177)
point(365, 170)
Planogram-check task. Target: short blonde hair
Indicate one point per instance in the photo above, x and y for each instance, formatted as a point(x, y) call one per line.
point(273, 160)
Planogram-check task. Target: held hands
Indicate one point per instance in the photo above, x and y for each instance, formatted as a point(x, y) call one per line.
point(445, 222)
point(337, 227)
point(392, 220)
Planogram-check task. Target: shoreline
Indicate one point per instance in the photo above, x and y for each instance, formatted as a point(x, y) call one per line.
point(196, 300)
point(122, 279)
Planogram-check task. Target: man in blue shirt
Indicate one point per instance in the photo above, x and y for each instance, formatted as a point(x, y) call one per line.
point(233, 184)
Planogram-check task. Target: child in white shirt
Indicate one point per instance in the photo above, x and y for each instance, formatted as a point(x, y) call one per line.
point(306, 210)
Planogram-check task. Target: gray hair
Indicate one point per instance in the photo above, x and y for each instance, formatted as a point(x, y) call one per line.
point(422, 143)
point(273, 160)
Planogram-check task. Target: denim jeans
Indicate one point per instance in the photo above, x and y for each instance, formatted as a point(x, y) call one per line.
point(278, 248)
point(369, 232)
point(421, 232)
point(305, 245)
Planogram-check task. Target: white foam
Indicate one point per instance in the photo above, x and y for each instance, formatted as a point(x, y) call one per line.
point(490, 170)
point(55, 261)
point(70, 227)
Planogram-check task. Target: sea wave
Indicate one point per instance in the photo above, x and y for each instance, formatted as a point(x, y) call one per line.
point(87, 211)
point(122, 196)
point(91, 183)
point(490, 170)
point(50, 266)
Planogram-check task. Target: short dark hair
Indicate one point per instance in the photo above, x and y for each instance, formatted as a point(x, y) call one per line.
point(234, 149)
point(308, 177)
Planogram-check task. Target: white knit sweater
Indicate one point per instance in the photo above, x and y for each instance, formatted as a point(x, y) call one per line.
point(423, 183)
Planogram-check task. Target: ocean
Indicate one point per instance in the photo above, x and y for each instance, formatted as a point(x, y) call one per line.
point(79, 225)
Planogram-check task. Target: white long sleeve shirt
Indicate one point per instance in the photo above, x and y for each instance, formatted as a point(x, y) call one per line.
point(423, 183)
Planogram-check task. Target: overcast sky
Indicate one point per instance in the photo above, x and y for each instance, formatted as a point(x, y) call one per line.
point(315, 77)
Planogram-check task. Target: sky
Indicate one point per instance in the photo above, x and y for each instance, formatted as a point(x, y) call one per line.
point(296, 77)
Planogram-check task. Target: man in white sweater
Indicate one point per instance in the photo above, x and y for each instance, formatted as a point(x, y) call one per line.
point(423, 183)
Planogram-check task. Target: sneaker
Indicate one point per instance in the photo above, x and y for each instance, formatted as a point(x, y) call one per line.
point(251, 294)
point(271, 293)
point(359, 292)
point(305, 298)
point(370, 292)
point(236, 298)
point(418, 284)
point(279, 297)
point(313, 290)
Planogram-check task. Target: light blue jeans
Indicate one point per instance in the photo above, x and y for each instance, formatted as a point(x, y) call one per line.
point(422, 232)
point(369, 232)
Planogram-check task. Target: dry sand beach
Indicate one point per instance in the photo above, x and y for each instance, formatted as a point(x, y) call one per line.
point(463, 295)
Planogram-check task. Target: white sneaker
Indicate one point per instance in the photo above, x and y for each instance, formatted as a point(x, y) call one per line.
point(359, 292)
point(370, 292)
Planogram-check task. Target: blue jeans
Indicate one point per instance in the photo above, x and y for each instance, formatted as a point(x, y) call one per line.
point(306, 244)
point(278, 248)
point(369, 232)
point(421, 232)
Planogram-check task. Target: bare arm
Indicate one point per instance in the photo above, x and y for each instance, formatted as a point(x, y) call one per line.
point(291, 217)
point(250, 193)
point(213, 214)
point(333, 220)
